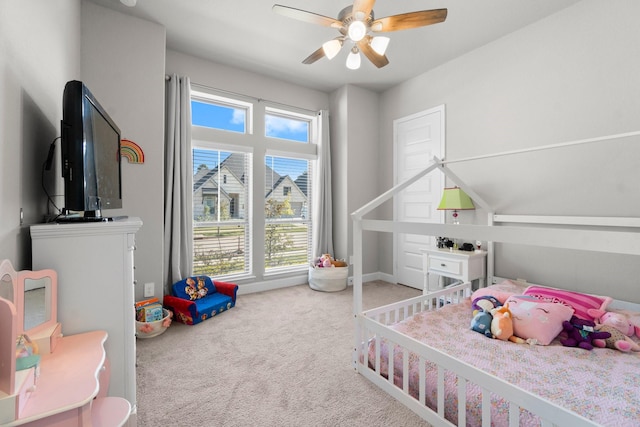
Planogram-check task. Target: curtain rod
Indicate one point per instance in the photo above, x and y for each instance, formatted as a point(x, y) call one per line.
point(227, 92)
point(544, 147)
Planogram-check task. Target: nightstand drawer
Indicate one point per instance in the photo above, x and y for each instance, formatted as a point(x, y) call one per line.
point(442, 265)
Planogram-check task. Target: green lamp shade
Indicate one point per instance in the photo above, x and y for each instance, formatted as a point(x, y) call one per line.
point(455, 199)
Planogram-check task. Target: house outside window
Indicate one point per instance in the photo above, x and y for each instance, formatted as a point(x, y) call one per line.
point(287, 232)
point(227, 175)
point(221, 231)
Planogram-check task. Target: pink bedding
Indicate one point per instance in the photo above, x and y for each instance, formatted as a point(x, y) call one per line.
point(603, 385)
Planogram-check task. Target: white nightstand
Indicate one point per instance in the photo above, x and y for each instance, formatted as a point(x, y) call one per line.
point(460, 265)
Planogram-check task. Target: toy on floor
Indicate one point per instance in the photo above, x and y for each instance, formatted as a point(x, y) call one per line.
point(198, 298)
point(581, 333)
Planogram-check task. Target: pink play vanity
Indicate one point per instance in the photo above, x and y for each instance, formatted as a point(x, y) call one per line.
point(68, 387)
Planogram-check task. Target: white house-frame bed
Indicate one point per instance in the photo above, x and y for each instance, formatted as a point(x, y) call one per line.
point(375, 329)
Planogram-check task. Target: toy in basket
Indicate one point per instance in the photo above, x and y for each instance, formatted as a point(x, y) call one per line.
point(328, 274)
point(154, 328)
point(151, 318)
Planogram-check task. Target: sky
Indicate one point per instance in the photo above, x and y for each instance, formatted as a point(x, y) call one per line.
point(233, 119)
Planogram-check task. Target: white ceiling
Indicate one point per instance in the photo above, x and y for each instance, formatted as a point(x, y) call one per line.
point(246, 34)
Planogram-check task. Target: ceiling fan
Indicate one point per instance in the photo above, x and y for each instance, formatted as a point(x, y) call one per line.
point(356, 24)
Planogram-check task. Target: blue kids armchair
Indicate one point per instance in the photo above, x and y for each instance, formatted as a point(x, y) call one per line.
point(198, 298)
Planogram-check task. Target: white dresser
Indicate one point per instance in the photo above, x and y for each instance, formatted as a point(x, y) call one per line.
point(94, 262)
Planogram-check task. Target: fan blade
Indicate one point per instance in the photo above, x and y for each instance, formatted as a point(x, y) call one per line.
point(363, 6)
point(409, 20)
point(318, 54)
point(377, 60)
point(305, 16)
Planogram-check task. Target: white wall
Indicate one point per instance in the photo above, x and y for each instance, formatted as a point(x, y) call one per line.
point(39, 53)
point(354, 137)
point(237, 81)
point(123, 60)
point(570, 76)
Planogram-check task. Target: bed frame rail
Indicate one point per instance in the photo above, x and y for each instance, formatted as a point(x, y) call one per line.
point(373, 325)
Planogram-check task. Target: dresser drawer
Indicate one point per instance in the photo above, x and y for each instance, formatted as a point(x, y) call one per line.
point(448, 266)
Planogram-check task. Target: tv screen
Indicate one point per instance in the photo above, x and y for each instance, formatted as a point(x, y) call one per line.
point(90, 154)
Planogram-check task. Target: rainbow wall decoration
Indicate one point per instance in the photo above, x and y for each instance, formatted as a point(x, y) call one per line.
point(131, 151)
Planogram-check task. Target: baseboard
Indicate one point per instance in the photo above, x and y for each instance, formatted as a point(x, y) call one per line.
point(269, 285)
point(370, 277)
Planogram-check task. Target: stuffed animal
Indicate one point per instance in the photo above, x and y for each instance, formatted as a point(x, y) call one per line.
point(323, 261)
point(628, 325)
point(617, 340)
point(502, 325)
point(619, 326)
point(326, 260)
point(485, 303)
point(481, 322)
point(581, 333)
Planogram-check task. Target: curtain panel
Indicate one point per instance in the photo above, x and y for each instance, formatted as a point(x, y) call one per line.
point(178, 186)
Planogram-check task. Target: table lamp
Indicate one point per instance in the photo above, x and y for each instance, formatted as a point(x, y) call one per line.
point(454, 199)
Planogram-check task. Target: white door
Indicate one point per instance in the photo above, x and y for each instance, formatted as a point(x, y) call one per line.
point(417, 139)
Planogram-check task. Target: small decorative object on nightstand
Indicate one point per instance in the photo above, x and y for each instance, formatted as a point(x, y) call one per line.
point(455, 264)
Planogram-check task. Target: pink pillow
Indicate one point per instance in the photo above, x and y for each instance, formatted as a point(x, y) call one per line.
point(500, 291)
point(579, 301)
point(537, 319)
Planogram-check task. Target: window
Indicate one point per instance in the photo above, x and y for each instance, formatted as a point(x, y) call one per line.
point(219, 113)
point(279, 125)
point(221, 230)
point(287, 230)
point(228, 175)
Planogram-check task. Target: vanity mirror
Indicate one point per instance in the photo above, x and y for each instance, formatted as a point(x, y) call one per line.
point(38, 292)
point(37, 302)
point(34, 295)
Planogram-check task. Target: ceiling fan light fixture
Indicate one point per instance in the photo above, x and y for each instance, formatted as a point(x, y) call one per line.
point(357, 23)
point(353, 60)
point(357, 30)
point(331, 48)
point(379, 44)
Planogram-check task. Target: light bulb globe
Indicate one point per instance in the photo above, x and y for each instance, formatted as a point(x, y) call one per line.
point(379, 44)
point(331, 48)
point(353, 60)
point(357, 31)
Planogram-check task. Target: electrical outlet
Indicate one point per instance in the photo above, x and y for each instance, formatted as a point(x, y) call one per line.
point(149, 289)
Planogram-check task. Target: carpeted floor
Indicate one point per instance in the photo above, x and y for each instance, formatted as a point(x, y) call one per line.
point(279, 358)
